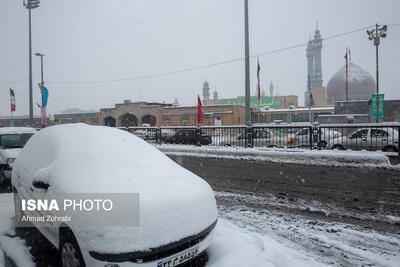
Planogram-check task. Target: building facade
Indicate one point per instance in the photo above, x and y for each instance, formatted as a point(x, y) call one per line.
point(129, 114)
point(213, 115)
point(91, 118)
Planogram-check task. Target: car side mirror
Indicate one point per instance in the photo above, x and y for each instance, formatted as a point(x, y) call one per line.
point(40, 185)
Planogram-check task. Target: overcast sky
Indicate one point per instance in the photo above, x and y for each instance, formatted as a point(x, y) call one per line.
point(97, 40)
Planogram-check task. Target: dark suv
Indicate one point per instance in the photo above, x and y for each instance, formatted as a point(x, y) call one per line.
point(188, 137)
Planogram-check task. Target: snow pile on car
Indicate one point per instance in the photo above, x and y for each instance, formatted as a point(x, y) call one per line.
point(78, 158)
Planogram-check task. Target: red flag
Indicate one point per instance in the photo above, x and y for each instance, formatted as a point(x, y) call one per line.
point(347, 79)
point(199, 112)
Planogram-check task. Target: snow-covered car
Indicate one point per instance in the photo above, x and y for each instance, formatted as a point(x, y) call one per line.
point(385, 139)
point(12, 139)
point(177, 208)
point(321, 138)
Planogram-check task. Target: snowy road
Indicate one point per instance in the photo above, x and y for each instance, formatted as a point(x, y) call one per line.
point(248, 236)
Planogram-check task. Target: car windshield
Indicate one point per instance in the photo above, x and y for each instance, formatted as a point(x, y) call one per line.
point(14, 140)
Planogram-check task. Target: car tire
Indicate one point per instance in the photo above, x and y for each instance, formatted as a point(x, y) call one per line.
point(338, 147)
point(17, 208)
point(69, 251)
point(3, 180)
point(390, 149)
point(322, 144)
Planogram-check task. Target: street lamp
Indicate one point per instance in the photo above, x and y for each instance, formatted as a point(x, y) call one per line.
point(247, 63)
point(30, 4)
point(41, 84)
point(376, 34)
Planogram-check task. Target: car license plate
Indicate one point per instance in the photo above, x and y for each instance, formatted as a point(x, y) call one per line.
point(180, 258)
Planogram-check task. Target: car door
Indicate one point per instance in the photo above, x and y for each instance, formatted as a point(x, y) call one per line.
point(378, 139)
point(358, 140)
point(303, 137)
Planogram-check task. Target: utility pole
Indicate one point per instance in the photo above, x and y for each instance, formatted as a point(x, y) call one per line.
point(376, 35)
point(30, 4)
point(41, 84)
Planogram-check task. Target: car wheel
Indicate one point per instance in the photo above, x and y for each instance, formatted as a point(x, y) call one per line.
point(322, 144)
point(389, 149)
point(339, 147)
point(3, 179)
point(17, 208)
point(70, 254)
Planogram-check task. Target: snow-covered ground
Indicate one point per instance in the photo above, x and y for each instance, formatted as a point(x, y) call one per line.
point(10, 245)
point(326, 241)
point(248, 237)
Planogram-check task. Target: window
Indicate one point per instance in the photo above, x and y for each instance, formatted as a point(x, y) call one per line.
point(14, 140)
point(360, 134)
point(379, 133)
point(303, 132)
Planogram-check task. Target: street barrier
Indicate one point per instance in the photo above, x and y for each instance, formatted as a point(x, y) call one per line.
point(366, 136)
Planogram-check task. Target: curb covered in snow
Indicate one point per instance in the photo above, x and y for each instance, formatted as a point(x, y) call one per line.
point(281, 155)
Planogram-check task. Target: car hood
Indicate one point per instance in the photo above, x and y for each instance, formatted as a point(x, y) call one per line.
point(174, 203)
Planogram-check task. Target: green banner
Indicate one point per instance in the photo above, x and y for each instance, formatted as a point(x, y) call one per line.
point(272, 102)
point(377, 102)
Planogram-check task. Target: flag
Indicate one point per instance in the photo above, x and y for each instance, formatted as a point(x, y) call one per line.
point(258, 80)
point(199, 112)
point(346, 57)
point(43, 117)
point(12, 100)
point(45, 96)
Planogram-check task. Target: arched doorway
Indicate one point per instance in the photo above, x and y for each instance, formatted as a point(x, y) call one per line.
point(149, 119)
point(128, 120)
point(110, 121)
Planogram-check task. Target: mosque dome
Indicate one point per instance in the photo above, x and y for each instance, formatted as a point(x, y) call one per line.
point(361, 84)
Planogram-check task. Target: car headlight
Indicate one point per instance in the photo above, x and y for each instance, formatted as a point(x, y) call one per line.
point(10, 161)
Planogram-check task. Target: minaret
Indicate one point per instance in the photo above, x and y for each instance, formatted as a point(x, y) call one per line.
point(271, 89)
point(215, 96)
point(206, 92)
point(314, 60)
point(316, 80)
point(176, 103)
point(310, 59)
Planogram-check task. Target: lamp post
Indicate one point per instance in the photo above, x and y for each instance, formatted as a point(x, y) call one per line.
point(30, 4)
point(247, 62)
point(41, 84)
point(376, 34)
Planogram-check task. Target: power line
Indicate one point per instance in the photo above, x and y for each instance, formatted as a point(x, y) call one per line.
point(202, 66)
point(5, 84)
point(208, 65)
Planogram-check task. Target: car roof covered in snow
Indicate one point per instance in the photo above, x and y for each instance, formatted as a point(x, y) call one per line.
point(17, 130)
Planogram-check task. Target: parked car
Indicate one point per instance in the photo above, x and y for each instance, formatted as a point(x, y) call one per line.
point(260, 138)
point(12, 140)
point(385, 139)
point(177, 208)
point(146, 134)
point(321, 137)
point(188, 137)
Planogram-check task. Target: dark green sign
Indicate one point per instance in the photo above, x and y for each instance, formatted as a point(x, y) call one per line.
point(377, 102)
point(272, 102)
